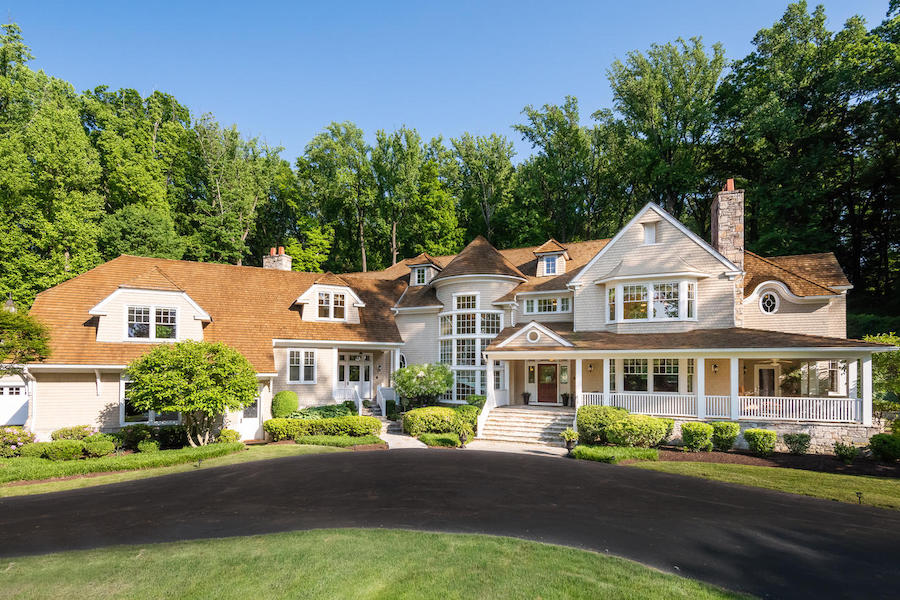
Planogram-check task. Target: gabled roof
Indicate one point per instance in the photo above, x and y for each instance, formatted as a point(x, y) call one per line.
point(419, 296)
point(479, 258)
point(550, 246)
point(759, 270)
point(153, 279)
point(423, 259)
point(329, 278)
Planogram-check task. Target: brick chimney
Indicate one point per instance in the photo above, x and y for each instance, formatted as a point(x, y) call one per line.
point(727, 237)
point(277, 260)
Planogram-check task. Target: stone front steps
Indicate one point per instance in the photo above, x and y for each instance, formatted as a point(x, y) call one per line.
point(528, 425)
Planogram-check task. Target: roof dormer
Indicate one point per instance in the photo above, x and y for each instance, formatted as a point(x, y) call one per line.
point(422, 269)
point(330, 298)
point(551, 259)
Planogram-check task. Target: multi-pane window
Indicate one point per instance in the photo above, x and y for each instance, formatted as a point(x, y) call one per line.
point(332, 305)
point(550, 265)
point(465, 324)
point(548, 305)
point(498, 375)
point(324, 305)
point(131, 414)
point(421, 276)
point(690, 375)
point(691, 300)
point(447, 351)
point(302, 366)
point(564, 304)
point(634, 301)
point(465, 352)
point(338, 303)
point(611, 303)
point(164, 320)
point(529, 306)
point(665, 301)
point(635, 374)
point(665, 374)
point(468, 302)
point(466, 384)
point(447, 325)
point(138, 322)
point(490, 323)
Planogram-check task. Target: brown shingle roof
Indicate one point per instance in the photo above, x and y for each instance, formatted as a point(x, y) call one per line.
point(823, 268)
point(153, 279)
point(417, 296)
point(480, 258)
point(423, 259)
point(329, 278)
point(550, 245)
point(760, 269)
point(733, 337)
point(249, 307)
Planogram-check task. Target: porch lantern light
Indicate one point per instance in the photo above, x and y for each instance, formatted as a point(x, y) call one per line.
point(715, 368)
point(590, 367)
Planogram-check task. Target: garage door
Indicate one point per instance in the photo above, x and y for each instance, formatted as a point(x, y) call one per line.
point(13, 405)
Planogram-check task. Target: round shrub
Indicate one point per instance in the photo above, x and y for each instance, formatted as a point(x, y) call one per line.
point(132, 435)
point(33, 450)
point(228, 436)
point(593, 420)
point(429, 419)
point(724, 434)
point(640, 431)
point(670, 427)
point(98, 448)
point(761, 441)
point(148, 446)
point(64, 449)
point(885, 446)
point(284, 403)
point(697, 437)
point(846, 452)
point(797, 443)
point(468, 415)
point(101, 437)
point(77, 432)
point(12, 439)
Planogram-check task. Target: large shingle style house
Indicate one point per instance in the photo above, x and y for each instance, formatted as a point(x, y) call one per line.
point(655, 320)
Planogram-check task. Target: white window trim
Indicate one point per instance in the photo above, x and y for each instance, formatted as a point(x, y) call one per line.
point(153, 339)
point(651, 229)
point(331, 292)
point(477, 302)
point(424, 272)
point(682, 301)
point(302, 380)
point(535, 310)
point(152, 422)
point(550, 259)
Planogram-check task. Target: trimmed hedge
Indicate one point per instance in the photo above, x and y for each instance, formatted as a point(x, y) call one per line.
point(440, 440)
point(697, 437)
point(477, 401)
point(593, 420)
point(639, 431)
point(724, 435)
point(440, 419)
point(148, 446)
point(670, 427)
point(327, 411)
point(885, 446)
point(339, 441)
point(613, 454)
point(98, 448)
point(284, 403)
point(64, 450)
point(33, 450)
point(288, 429)
point(77, 432)
point(761, 441)
point(797, 443)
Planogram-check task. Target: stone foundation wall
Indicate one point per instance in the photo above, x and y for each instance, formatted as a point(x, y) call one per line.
point(822, 435)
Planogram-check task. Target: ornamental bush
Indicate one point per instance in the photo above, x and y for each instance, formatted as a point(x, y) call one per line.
point(885, 446)
point(761, 441)
point(228, 436)
point(33, 450)
point(148, 446)
point(100, 437)
point(64, 450)
point(288, 429)
point(593, 420)
point(327, 411)
point(670, 427)
point(130, 436)
point(846, 452)
point(284, 403)
point(12, 438)
point(429, 419)
point(639, 431)
point(468, 414)
point(724, 434)
point(797, 443)
point(696, 436)
point(98, 448)
point(77, 432)
point(477, 400)
point(418, 385)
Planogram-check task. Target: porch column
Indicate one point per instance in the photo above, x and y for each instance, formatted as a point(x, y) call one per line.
point(579, 384)
point(682, 376)
point(507, 383)
point(853, 378)
point(867, 390)
point(734, 375)
point(334, 372)
point(620, 373)
point(604, 371)
point(700, 389)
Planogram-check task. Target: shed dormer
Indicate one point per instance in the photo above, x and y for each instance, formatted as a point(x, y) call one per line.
point(330, 298)
point(422, 269)
point(551, 259)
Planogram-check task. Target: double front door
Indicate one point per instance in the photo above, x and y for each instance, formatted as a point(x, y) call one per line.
point(355, 371)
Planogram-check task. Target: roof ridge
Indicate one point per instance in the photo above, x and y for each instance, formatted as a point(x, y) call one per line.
point(786, 270)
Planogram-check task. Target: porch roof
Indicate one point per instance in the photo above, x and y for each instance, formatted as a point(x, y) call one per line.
point(709, 339)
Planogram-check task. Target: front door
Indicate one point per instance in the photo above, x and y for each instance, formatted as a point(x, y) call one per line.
point(766, 382)
point(547, 383)
point(355, 371)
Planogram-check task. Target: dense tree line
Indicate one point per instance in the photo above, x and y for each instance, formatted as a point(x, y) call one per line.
point(808, 123)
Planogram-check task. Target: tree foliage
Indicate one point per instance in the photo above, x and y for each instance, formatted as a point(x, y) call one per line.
point(200, 380)
point(422, 384)
point(23, 339)
point(886, 367)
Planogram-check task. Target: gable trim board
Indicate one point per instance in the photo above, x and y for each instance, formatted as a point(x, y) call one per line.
point(535, 326)
point(99, 309)
point(308, 296)
point(733, 270)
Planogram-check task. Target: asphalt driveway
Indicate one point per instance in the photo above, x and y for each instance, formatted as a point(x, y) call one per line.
point(766, 543)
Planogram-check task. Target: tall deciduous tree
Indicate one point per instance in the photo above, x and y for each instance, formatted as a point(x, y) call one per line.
point(483, 180)
point(397, 160)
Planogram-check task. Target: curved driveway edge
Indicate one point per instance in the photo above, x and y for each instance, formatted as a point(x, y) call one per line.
point(752, 540)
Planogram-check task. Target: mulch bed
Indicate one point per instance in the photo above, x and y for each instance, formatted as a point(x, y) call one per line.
point(823, 463)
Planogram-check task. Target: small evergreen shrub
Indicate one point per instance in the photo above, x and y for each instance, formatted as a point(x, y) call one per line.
point(429, 419)
point(593, 420)
point(284, 403)
point(846, 452)
point(171, 437)
point(391, 409)
point(697, 437)
point(132, 435)
point(77, 432)
point(327, 411)
point(724, 434)
point(885, 446)
point(761, 441)
point(33, 450)
point(98, 448)
point(12, 438)
point(288, 429)
point(148, 446)
point(228, 436)
point(477, 400)
point(670, 427)
point(640, 431)
point(797, 443)
point(613, 454)
point(64, 450)
point(101, 437)
point(443, 440)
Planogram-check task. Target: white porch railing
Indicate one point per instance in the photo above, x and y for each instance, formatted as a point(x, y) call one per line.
point(342, 394)
point(490, 403)
point(833, 410)
point(665, 405)
point(718, 406)
point(588, 398)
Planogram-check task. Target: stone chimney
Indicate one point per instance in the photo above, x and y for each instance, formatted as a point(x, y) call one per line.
point(727, 237)
point(279, 260)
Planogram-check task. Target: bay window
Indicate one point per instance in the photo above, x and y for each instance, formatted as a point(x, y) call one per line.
point(464, 333)
point(665, 300)
point(654, 301)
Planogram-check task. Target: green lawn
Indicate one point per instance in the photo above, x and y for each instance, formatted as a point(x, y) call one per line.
point(250, 454)
point(877, 491)
point(613, 454)
point(345, 563)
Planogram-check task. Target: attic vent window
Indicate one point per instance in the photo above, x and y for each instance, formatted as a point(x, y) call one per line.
point(649, 233)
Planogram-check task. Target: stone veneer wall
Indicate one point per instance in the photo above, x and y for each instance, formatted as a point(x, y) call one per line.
point(823, 435)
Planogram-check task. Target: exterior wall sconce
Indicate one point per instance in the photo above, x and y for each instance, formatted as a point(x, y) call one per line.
point(590, 367)
point(715, 368)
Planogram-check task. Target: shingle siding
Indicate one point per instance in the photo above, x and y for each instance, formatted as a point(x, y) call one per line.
point(814, 318)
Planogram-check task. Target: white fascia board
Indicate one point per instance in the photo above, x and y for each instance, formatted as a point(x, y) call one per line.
point(266, 375)
point(452, 278)
point(784, 291)
point(544, 293)
point(279, 342)
point(417, 309)
point(720, 353)
point(681, 274)
point(100, 309)
point(732, 268)
point(535, 326)
point(72, 367)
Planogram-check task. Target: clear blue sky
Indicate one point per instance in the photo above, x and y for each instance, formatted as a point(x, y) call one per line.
point(283, 70)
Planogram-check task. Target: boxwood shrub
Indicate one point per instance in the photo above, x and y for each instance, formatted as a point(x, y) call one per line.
point(284, 403)
point(724, 434)
point(639, 431)
point(429, 419)
point(593, 420)
point(33, 450)
point(327, 411)
point(697, 436)
point(64, 450)
point(797, 443)
point(885, 446)
point(98, 448)
point(76, 432)
point(288, 429)
point(148, 446)
point(761, 441)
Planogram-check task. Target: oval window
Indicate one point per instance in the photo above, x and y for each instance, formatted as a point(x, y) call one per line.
point(768, 303)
